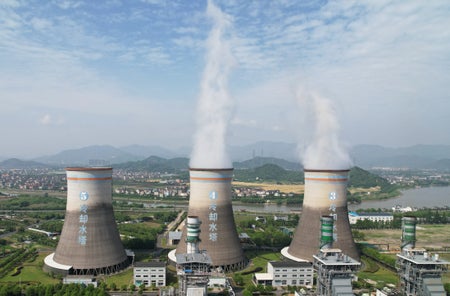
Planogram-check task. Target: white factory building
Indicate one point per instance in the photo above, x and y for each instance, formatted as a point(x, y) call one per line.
point(354, 217)
point(149, 273)
point(286, 273)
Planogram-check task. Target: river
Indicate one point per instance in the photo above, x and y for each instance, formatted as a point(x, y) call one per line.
point(429, 197)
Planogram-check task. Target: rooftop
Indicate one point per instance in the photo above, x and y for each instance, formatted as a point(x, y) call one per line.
point(150, 264)
point(335, 257)
point(290, 263)
point(421, 256)
point(193, 258)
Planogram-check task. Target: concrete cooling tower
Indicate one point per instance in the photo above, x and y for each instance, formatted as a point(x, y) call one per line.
point(325, 194)
point(210, 201)
point(90, 243)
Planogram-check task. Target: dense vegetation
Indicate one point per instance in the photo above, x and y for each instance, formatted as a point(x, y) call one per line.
point(386, 260)
point(15, 259)
point(52, 290)
point(157, 164)
point(425, 216)
point(293, 199)
point(27, 202)
point(362, 178)
point(267, 232)
point(142, 236)
point(268, 173)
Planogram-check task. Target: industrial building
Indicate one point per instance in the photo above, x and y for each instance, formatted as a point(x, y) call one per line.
point(149, 273)
point(89, 243)
point(335, 270)
point(325, 194)
point(193, 266)
point(354, 217)
point(286, 273)
point(210, 201)
point(420, 272)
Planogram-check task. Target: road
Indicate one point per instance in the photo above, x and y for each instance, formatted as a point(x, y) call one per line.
point(169, 226)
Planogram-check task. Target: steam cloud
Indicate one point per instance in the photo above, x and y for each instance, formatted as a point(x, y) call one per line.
point(326, 151)
point(214, 103)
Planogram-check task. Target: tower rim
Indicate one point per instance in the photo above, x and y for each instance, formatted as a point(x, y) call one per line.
point(211, 169)
point(325, 171)
point(88, 168)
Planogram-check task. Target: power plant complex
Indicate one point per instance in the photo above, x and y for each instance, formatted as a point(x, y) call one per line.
point(210, 201)
point(325, 194)
point(322, 243)
point(90, 242)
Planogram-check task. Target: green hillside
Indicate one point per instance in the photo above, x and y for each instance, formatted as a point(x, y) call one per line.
point(268, 173)
point(360, 178)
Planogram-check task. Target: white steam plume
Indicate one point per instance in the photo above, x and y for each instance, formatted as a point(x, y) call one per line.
point(326, 151)
point(214, 103)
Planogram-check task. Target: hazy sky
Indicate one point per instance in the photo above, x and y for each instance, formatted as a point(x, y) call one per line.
point(78, 73)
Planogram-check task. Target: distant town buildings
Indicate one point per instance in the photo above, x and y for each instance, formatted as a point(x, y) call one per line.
point(401, 209)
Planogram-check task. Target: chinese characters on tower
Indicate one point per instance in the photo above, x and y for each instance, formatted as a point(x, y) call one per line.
point(82, 230)
point(213, 216)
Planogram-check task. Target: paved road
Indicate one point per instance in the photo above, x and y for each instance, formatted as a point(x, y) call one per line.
point(169, 226)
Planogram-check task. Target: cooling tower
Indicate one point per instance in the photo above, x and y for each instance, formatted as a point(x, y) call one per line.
point(90, 243)
point(210, 201)
point(325, 194)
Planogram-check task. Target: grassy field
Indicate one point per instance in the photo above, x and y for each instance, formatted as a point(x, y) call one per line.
point(120, 279)
point(285, 188)
point(382, 276)
point(31, 272)
point(428, 236)
point(258, 259)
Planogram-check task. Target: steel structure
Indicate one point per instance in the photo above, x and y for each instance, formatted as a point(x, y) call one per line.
point(90, 242)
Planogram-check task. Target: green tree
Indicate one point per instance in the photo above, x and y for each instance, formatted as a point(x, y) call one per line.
point(238, 279)
point(113, 286)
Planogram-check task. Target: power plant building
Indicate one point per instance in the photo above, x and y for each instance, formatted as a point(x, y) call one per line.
point(325, 194)
point(335, 270)
point(90, 242)
point(193, 267)
point(420, 272)
point(210, 201)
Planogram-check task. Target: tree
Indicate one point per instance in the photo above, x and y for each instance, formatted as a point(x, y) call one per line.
point(238, 279)
point(113, 286)
point(132, 287)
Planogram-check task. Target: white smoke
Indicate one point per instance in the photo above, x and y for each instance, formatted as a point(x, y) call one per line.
point(326, 151)
point(214, 103)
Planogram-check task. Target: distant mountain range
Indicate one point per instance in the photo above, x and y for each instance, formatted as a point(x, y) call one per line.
point(14, 163)
point(282, 154)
